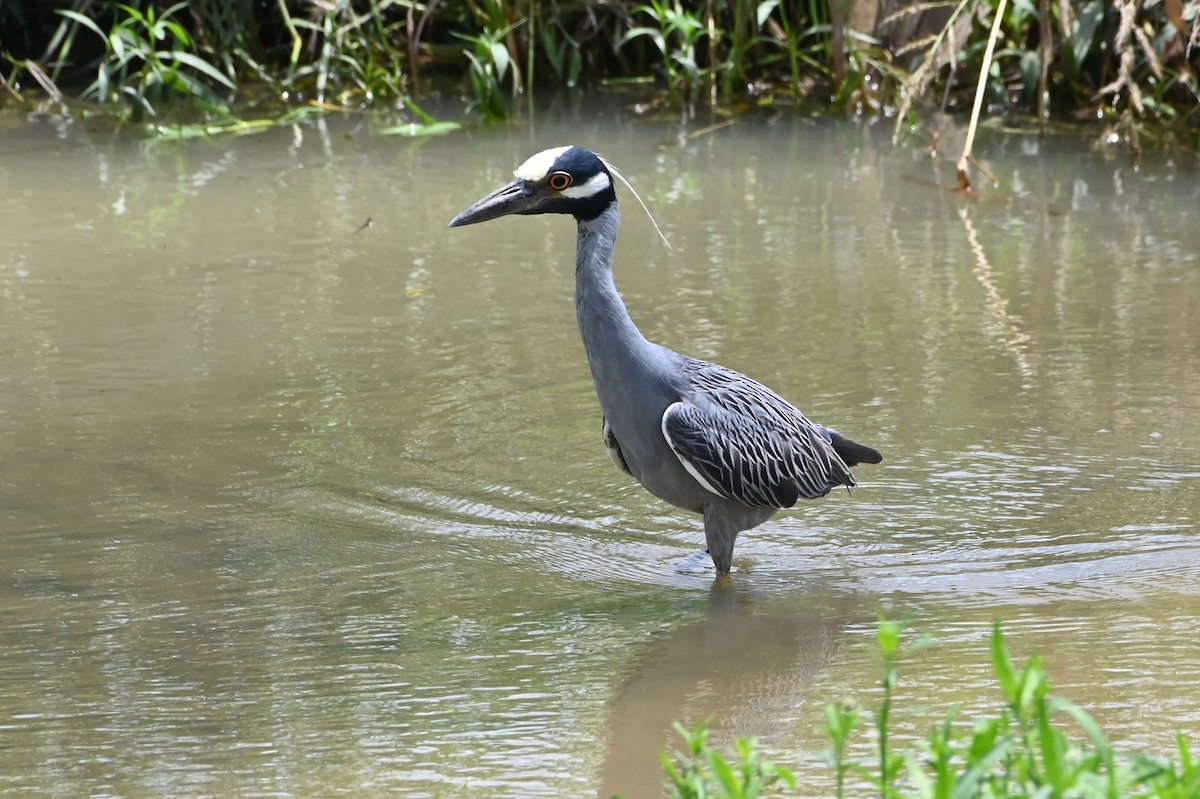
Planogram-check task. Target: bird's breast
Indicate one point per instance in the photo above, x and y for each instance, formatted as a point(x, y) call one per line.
point(635, 420)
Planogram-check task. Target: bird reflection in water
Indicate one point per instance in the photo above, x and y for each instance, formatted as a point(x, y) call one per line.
point(750, 662)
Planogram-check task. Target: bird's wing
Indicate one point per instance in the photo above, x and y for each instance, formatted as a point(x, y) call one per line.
point(744, 442)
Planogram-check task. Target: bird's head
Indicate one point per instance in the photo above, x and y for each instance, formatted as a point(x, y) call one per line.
point(562, 180)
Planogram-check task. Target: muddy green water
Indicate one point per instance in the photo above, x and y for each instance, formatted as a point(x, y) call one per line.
point(288, 509)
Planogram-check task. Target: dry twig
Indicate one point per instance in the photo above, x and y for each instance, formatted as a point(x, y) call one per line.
point(963, 180)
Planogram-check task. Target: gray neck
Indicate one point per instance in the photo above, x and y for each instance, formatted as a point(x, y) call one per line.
point(603, 320)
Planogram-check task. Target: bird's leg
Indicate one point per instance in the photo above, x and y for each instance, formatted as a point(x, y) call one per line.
point(721, 534)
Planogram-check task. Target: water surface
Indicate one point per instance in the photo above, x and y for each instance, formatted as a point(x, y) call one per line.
point(291, 506)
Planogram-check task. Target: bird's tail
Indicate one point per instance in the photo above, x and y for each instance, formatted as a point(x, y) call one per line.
point(852, 452)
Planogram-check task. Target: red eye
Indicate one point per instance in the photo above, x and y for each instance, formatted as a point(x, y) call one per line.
point(559, 181)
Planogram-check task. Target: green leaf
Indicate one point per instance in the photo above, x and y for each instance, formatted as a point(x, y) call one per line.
point(82, 20)
point(764, 11)
point(1022, 10)
point(648, 10)
point(1095, 735)
point(193, 131)
point(500, 58)
point(416, 109)
point(134, 14)
point(179, 132)
point(1085, 721)
point(888, 637)
point(417, 129)
point(1083, 32)
point(183, 83)
point(574, 67)
point(138, 99)
point(689, 66)
point(655, 35)
point(307, 25)
point(1033, 683)
point(201, 66)
point(967, 785)
point(177, 7)
point(985, 736)
point(1003, 667)
point(840, 721)
point(118, 41)
point(182, 39)
point(724, 774)
point(1052, 743)
point(917, 775)
point(671, 770)
point(783, 774)
point(1031, 67)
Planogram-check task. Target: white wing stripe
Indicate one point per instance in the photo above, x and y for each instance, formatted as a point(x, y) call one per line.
point(686, 463)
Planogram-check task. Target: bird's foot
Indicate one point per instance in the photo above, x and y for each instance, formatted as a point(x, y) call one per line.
point(695, 563)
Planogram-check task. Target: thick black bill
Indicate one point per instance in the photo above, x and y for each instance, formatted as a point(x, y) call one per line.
point(515, 198)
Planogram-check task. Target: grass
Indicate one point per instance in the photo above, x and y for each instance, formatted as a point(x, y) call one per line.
point(149, 57)
point(701, 771)
point(1038, 746)
point(1131, 63)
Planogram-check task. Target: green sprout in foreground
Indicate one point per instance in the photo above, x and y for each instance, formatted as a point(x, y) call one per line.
point(1032, 749)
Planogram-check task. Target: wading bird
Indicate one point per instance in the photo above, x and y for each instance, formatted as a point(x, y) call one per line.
point(697, 435)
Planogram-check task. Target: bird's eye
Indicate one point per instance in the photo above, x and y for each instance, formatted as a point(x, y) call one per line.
point(559, 181)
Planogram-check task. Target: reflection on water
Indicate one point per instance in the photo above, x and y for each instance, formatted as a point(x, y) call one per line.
point(749, 662)
point(291, 507)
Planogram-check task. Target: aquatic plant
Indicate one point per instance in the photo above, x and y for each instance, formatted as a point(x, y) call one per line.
point(1032, 748)
point(676, 32)
point(148, 56)
point(491, 66)
point(1130, 63)
point(699, 771)
point(1110, 60)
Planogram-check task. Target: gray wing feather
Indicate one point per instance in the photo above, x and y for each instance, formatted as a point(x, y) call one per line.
point(746, 443)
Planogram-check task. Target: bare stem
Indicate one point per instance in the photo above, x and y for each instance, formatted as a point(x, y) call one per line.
point(963, 180)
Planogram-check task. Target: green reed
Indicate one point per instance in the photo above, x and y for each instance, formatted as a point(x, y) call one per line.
point(1131, 62)
point(676, 32)
point(1037, 745)
point(701, 772)
point(149, 57)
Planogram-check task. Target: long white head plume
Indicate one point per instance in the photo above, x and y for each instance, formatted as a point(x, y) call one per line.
point(620, 177)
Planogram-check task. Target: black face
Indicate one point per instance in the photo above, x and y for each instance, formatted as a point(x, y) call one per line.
point(567, 180)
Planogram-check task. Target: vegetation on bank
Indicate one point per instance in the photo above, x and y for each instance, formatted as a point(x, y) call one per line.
point(1038, 746)
point(1130, 62)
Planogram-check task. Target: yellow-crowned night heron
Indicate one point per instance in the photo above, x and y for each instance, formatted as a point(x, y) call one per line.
point(700, 436)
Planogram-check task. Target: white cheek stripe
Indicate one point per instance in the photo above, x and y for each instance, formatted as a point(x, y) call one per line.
point(538, 166)
point(595, 184)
